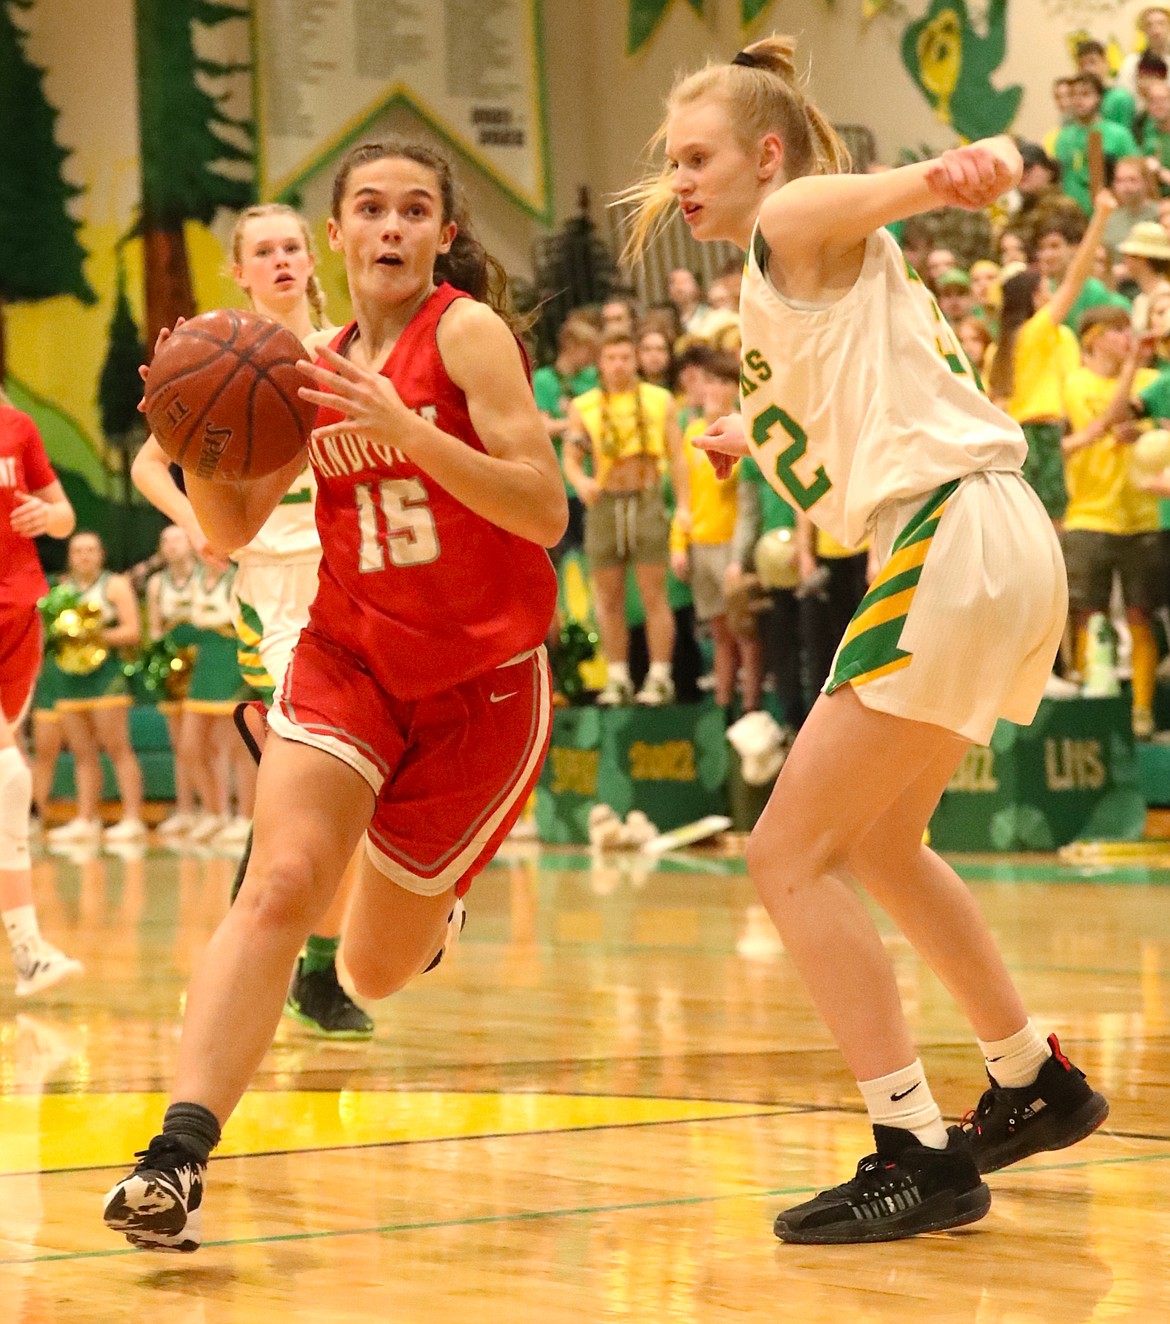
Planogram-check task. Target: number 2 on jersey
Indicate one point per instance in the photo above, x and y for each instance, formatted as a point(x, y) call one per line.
point(396, 524)
point(806, 495)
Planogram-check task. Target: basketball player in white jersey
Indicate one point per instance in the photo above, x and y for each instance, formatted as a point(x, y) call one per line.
point(272, 261)
point(862, 410)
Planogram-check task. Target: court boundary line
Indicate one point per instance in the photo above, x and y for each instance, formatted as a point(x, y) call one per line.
point(525, 1215)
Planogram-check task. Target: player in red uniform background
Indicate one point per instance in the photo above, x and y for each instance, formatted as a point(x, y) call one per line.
point(417, 708)
point(32, 503)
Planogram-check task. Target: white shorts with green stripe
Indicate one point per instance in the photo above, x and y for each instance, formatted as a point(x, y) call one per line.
point(272, 607)
point(961, 625)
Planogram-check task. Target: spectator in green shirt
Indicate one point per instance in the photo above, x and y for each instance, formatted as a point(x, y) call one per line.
point(572, 373)
point(1072, 142)
point(1056, 242)
point(1156, 139)
point(1116, 103)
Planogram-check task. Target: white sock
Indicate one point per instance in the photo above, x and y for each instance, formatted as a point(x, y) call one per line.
point(903, 1099)
point(20, 924)
point(618, 672)
point(659, 671)
point(1016, 1060)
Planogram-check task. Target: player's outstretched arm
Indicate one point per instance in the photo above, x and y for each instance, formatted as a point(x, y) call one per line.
point(834, 213)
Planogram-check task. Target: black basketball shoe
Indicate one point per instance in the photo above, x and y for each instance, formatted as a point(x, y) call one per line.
point(1059, 1108)
point(317, 1000)
point(159, 1205)
point(902, 1190)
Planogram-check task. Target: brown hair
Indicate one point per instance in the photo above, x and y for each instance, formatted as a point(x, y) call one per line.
point(577, 330)
point(313, 291)
point(468, 266)
point(722, 365)
point(1019, 304)
point(764, 94)
point(1099, 318)
point(618, 338)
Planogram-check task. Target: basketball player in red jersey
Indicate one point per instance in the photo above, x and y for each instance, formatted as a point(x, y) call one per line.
point(32, 503)
point(417, 709)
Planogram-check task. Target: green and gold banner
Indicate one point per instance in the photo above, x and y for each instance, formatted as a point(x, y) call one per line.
point(327, 69)
point(645, 16)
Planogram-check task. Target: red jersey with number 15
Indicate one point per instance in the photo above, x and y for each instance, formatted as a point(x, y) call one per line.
point(424, 592)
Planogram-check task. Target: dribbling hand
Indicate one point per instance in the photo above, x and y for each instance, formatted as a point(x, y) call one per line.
point(159, 340)
point(725, 442)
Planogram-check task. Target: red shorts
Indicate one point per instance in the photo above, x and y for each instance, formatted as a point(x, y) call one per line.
point(21, 643)
point(451, 773)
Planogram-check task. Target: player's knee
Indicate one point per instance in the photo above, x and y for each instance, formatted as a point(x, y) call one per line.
point(802, 855)
point(374, 979)
point(378, 972)
point(282, 893)
point(15, 801)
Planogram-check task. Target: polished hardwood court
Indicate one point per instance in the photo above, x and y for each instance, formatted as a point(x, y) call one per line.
point(592, 1112)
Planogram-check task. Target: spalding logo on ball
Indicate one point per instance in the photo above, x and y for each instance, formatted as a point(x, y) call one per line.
point(1150, 454)
point(221, 396)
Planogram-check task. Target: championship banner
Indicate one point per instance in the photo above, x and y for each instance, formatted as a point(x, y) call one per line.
point(325, 70)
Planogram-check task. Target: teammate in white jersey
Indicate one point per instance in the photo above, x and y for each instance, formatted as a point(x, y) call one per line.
point(273, 262)
point(862, 410)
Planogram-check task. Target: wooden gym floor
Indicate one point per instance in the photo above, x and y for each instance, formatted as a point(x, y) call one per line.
point(591, 1113)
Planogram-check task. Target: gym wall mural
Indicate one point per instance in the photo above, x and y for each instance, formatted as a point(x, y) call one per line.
point(131, 137)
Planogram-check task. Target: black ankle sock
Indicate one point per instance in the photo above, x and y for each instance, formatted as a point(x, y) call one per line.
point(195, 1126)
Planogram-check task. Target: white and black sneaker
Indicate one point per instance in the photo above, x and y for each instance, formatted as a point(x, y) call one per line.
point(39, 966)
point(656, 691)
point(903, 1189)
point(159, 1205)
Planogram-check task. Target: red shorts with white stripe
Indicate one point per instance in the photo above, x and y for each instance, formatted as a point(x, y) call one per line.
point(20, 658)
point(451, 773)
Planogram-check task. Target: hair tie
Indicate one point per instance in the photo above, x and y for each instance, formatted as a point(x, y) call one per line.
point(748, 60)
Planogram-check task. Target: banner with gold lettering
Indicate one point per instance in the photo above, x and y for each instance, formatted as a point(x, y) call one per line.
point(472, 70)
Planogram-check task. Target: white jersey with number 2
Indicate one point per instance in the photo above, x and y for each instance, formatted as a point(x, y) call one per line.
point(865, 401)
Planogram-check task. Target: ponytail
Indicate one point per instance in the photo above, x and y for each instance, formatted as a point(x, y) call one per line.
point(764, 94)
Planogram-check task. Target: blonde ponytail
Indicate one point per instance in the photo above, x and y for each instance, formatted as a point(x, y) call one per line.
point(764, 94)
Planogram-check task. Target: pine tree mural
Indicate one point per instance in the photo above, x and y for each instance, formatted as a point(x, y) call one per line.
point(40, 254)
point(120, 387)
point(186, 139)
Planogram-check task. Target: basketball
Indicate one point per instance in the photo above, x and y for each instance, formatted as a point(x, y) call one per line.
point(777, 563)
point(221, 396)
point(1151, 453)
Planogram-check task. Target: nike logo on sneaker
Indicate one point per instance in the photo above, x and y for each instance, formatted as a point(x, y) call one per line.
point(499, 698)
point(895, 1098)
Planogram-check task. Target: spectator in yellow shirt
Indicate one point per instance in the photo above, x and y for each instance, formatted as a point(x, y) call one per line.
point(1111, 527)
point(701, 552)
point(627, 429)
point(1034, 355)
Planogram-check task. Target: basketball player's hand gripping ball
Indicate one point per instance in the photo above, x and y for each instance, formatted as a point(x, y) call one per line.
point(372, 407)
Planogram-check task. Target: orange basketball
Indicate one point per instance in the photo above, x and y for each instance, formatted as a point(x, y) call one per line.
point(221, 396)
